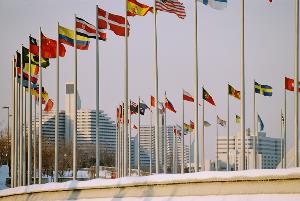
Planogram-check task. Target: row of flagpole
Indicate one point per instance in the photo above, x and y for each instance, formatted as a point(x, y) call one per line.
point(20, 112)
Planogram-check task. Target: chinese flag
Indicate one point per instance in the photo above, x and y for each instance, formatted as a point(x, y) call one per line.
point(49, 48)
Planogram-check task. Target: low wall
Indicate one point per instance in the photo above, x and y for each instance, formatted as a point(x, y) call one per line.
point(253, 182)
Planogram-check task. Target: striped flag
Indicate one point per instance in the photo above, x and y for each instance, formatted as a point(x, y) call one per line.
point(83, 28)
point(187, 96)
point(171, 6)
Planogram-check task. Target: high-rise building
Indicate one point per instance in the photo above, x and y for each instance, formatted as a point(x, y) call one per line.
point(268, 151)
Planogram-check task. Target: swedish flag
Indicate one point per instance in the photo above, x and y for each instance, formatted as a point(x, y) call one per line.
point(265, 90)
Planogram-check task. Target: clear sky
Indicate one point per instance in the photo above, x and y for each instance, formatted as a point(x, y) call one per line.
point(269, 56)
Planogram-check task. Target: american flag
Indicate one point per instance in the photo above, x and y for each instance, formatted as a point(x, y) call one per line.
point(171, 6)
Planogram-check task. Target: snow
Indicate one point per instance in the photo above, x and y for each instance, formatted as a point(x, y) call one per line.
point(274, 197)
point(3, 175)
point(157, 179)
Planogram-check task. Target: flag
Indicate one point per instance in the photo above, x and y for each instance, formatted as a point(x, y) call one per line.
point(112, 22)
point(48, 106)
point(215, 4)
point(207, 97)
point(221, 121)
point(233, 92)
point(192, 125)
point(143, 108)
point(169, 105)
point(260, 123)
point(135, 8)
point(85, 29)
point(187, 96)
point(33, 46)
point(161, 107)
point(171, 6)
point(34, 69)
point(237, 119)
point(49, 48)
point(133, 108)
point(289, 84)
point(134, 127)
point(265, 90)
point(152, 101)
point(34, 58)
point(26, 76)
point(206, 124)
point(187, 127)
point(66, 36)
point(26, 84)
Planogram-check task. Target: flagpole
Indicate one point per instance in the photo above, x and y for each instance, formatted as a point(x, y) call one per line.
point(30, 122)
point(150, 169)
point(40, 110)
point(129, 141)
point(75, 105)
point(97, 96)
point(174, 149)
point(164, 139)
point(296, 96)
point(190, 155)
point(12, 141)
point(156, 93)
point(217, 166)
point(56, 109)
point(126, 94)
point(202, 139)
point(242, 165)
point(15, 124)
point(284, 155)
point(182, 141)
point(196, 141)
point(281, 142)
point(139, 135)
point(257, 140)
point(34, 144)
point(254, 128)
point(24, 138)
point(228, 129)
point(21, 122)
point(19, 130)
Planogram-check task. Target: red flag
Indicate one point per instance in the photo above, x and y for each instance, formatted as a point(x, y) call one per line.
point(112, 22)
point(289, 84)
point(174, 130)
point(152, 101)
point(49, 48)
point(169, 105)
point(192, 125)
point(49, 106)
point(207, 97)
point(187, 96)
point(134, 127)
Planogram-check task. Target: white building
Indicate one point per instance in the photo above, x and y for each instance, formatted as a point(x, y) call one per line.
point(268, 149)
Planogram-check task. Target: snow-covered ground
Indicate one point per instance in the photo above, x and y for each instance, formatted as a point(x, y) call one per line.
point(3, 176)
point(172, 178)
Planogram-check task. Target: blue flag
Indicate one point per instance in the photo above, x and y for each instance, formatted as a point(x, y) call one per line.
point(215, 4)
point(261, 123)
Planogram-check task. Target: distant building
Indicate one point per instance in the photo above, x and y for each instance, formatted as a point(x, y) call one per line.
point(268, 149)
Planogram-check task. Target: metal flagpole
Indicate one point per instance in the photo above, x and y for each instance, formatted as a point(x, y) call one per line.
point(156, 94)
point(126, 94)
point(284, 154)
point(196, 140)
point(97, 96)
point(122, 142)
point(165, 138)
point(40, 109)
point(281, 142)
point(24, 137)
point(228, 129)
point(117, 146)
point(190, 154)
point(217, 166)
point(202, 139)
point(56, 109)
point(296, 85)
point(75, 105)
point(174, 150)
point(150, 169)
point(12, 144)
point(257, 140)
point(129, 141)
point(18, 134)
point(242, 163)
point(254, 128)
point(29, 123)
point(182, 140)
point(15, 123)
point(139, 137)
point(21, 122)
point(34, 144)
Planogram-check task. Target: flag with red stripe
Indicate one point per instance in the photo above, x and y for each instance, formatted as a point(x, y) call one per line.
point(171, 6)
point(83, 28)
point(187, 96)
point(169, 105)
